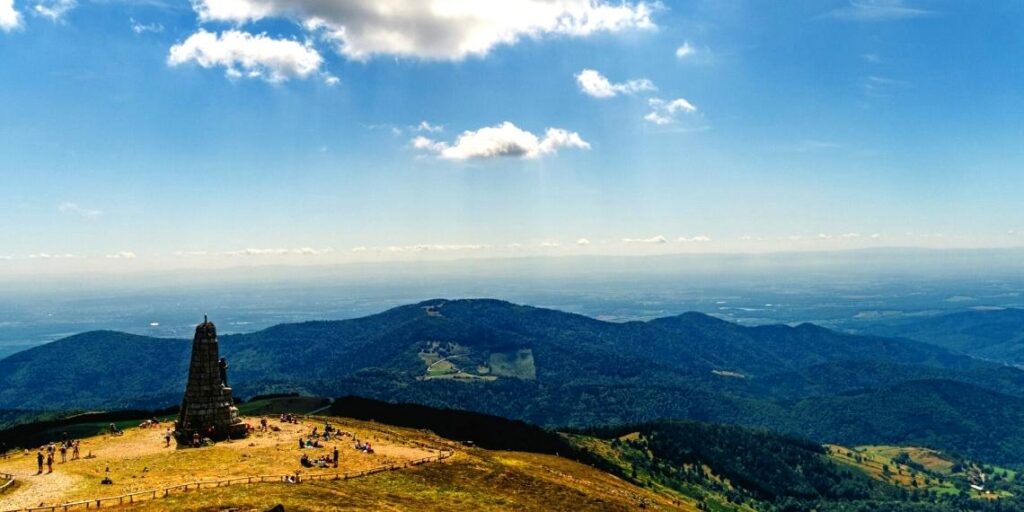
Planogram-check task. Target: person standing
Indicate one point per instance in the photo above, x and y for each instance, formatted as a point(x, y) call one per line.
point(335, 455)
point(74, 450)
point(39, 460)
point(49, 463)
point(63, 452)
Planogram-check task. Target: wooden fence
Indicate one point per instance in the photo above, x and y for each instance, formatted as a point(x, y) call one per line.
point(8, 482)
point(153, 494)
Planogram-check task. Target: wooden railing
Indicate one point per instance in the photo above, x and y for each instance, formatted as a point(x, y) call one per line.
point(153, 494)
point(8, 482)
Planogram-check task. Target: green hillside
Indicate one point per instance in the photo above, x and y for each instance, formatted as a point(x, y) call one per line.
point(558, 369)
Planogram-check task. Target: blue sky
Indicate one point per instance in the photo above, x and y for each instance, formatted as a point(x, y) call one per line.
point(158, 134)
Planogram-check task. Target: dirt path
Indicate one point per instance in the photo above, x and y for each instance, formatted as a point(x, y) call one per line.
point(36, 489)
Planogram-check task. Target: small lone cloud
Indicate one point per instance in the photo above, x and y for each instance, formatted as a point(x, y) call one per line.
point(582, 241)
point(121, 255)
point(141, 28)
point(594, 84)
point(694, 239)
point(666, 112)
point(876, 11)
point(657, 239)
point(76, 209)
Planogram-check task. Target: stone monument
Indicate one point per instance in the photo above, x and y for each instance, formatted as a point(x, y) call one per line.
point(207, 408)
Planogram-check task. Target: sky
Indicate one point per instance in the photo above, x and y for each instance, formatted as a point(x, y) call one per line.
point(153, 134)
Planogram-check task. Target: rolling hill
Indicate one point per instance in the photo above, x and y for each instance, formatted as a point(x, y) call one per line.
point(499, 464)
point(549, 368)
point(996, 335)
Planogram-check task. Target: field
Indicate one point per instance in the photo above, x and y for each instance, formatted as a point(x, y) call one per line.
point(472, 479)
point(139, 460)
point(921, 468)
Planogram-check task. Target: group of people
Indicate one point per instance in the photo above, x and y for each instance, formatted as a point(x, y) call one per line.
point(289, 418)
point(323, 461)
point(363, 447)
point(150, 423)
point(51, 450)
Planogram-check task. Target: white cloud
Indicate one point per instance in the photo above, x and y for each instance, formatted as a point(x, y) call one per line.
point(140, 28)
point(876, 236)
point(876, 10)
point(75, 209)
point(54, 9)
point(190, 253)
point(505, 139)
point(437, 247)
point(122, 255)
point(48, 256)
point(246, 55)
point(10, 18)
point(686, 50)
point(666, 112)
point(593, 83)
point(427, 127)
point(658, 239)
point(550, 245)
point(582, 241)
point(301, 251)
point(694, 239)
point(849, 236)
point(435, 29)
point(361, 248)
point(331, 80)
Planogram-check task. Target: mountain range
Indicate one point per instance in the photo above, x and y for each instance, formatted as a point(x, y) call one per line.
point(559, 369)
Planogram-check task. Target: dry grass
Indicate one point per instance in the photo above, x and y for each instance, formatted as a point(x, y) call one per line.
point(139, 461)
point(472, 480)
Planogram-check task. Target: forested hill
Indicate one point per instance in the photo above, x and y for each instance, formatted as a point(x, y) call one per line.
point(106, 368)
point(543, 366)
point(997, 335)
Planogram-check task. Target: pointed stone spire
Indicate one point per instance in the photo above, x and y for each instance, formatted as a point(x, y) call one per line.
point(207, 408)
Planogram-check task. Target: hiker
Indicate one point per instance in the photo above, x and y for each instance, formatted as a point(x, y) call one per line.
point(49, 463)
point(63, 452)
point(39, 459)
point(74, 450)
point(167, 438)
point(335, 455)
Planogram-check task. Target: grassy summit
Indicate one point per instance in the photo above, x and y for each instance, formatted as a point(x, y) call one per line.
point(473, 478)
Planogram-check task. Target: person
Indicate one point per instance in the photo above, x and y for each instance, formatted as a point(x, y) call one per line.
point(39, 459)
point(74, 450)
point(335, 455)
point(167, 438)
point(301, 444)
point(49, 463)
point(63, 452)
